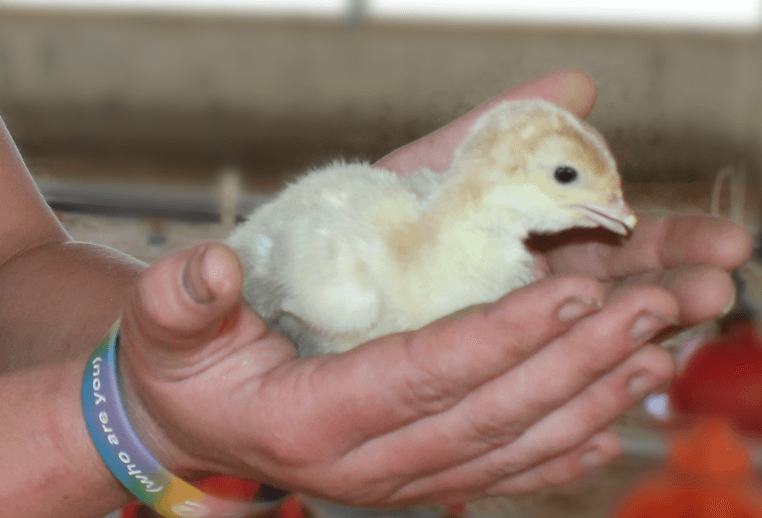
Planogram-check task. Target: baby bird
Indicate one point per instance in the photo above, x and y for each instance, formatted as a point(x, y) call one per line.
point(351, 252)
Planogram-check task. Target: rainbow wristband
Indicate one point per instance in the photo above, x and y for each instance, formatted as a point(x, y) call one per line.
point(129, 459)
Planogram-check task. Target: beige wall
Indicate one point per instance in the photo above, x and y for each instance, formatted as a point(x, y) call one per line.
point(274, 95)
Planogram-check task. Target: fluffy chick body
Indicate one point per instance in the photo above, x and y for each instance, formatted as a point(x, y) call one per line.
point(351, 252)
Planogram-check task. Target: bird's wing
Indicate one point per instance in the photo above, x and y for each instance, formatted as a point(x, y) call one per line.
point(325, 273)
point(312, 253)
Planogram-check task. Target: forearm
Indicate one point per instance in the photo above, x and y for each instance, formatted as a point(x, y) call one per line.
point(50, 466)
point(58, 300)
point(25, 219)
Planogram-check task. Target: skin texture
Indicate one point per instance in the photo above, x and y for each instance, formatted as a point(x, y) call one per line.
point(413, 417)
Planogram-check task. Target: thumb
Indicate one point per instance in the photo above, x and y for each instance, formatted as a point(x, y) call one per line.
point(183, 303)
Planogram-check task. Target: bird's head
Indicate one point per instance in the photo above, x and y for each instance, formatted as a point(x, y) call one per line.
point(578, 183)
point(555, 166)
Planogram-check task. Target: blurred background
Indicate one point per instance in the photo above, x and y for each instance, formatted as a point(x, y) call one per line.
point(143, 121)
point(167, 89)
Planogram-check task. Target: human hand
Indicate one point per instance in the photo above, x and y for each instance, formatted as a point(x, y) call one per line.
point(510, 398)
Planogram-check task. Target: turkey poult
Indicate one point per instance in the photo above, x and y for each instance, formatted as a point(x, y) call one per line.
point(351, 252)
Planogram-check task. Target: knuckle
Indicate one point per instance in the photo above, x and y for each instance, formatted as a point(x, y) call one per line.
point(498, 468)
point(496, 432)
point(561, 287)
point(430, 385)
point(646, 297)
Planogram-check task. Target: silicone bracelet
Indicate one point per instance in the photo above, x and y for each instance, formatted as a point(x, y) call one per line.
point(129, 459)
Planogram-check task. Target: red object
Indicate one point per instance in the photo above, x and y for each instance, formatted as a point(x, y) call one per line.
point(229, 487)
point(220, 486)
point(709, 475)
point(724, 379)
point(291, 508)
point(131, 511)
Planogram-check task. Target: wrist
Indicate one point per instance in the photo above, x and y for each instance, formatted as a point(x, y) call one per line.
point(152, 430)
point(56, 469)
point(129, 459)
point(126, 393)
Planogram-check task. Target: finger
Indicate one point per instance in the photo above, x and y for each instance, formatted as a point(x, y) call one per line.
point(397, 380)
point(703, 293)
point(501, 411)
point(529, 461)
point(659, 242)
point(596, 407)
point(437, 366)
point(25, 219)
point(181, 304)
point(571, 90)
point(599, 451)
point(516, 395)
point(603, 448)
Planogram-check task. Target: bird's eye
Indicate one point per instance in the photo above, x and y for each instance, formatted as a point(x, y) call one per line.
point(565, 174)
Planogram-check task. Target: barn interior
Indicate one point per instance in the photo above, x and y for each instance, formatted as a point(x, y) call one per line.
point(133, 120)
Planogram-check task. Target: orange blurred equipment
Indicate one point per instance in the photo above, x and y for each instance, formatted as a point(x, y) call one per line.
point(709, 475)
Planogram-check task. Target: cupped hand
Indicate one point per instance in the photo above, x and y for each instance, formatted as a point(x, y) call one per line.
point(512, 397)
point(688, 256)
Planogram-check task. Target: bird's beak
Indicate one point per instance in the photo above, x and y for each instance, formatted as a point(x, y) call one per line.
point(618, 218)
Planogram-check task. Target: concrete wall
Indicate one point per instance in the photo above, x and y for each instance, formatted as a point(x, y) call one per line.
point(279, 95)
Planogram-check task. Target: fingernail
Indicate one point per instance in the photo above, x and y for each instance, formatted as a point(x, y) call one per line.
point(647, 325)
point(218, 264)
point(193, 277)
point(640, 384)
point(731, 304)
point(575, 308)
point(592, 458)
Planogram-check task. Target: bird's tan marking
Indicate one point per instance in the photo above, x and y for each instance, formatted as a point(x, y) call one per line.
point(588, 152)
point(585, 151)
point(495, 150)
point(406, 242)
point(409, 240)
point(499, 146)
